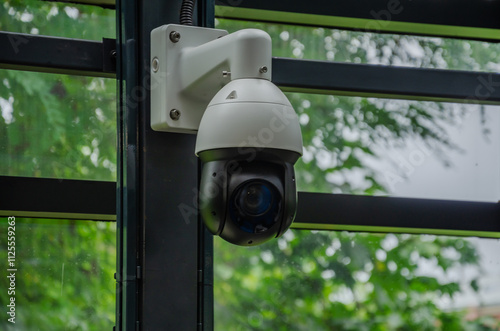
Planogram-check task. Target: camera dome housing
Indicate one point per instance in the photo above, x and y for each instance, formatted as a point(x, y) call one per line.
point(249, 139)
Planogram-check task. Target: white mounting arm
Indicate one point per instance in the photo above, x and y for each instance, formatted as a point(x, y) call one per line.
point(189, 65)
point(245, 54)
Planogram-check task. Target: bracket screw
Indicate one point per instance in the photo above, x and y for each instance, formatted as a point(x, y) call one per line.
point(226, 73)
point(263, 69)
point(175, 36)
point(155, 64)
point(175, 114)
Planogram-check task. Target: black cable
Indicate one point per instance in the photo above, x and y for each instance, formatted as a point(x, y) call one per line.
point(187, 10)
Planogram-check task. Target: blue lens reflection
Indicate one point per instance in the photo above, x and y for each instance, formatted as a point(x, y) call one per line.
point(255, 199)
point(255, 206)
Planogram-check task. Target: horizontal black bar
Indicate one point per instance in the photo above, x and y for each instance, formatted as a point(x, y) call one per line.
point(57, 198)
point(110, 4)
point(53, 54)
point(74, 56)
point(95, 200)
point(378, 80)
point(321, 211)
point(471, 13)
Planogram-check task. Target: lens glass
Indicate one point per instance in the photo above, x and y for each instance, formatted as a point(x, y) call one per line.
point(255, 206)
point(255, 199)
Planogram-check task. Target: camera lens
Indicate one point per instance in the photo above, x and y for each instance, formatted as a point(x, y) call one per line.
point(255, 206)
point(255, 199)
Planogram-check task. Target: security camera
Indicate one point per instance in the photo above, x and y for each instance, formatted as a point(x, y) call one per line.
point(249, 137)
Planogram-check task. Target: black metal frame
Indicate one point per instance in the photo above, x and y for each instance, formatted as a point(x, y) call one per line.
point(465, 12)
point(388, 16)
point(72, 56)
point(404, 215)
point(476, 19)
point(158, 171)
point(94, 200)
point(61, 55)
point(386, 81)
point(55, 198)
point(110, 4)
point(163, 273)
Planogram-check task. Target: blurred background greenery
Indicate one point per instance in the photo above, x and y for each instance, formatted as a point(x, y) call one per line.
point(61, 126)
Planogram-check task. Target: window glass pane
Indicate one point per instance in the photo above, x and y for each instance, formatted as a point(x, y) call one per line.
point(64, 274)
point(310, 280)
point(57, 19)
point(374, 48)
point(57, 126)
point(372, 146)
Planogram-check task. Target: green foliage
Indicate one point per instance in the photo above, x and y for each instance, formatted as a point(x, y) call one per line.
point(340, 281)
point(64, 127)
point(64, 278)
point(57, 19)
point(59, 126)
point(56, 125)
point(353, 281)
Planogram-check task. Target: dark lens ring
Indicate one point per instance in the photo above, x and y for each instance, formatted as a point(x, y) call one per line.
point(255, 206)
point(255, 198)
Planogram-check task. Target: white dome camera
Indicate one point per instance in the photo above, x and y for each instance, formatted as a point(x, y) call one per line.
point(249, 136)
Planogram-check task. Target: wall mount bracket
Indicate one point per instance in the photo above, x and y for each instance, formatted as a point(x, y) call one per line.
point(169, 103)
point(189, 65)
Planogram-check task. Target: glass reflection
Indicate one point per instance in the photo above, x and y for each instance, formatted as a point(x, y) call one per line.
point(373, 48)
point(312, 280)
point(59, 19)
point(64, 278)
point(419, 149)
point(57, 126)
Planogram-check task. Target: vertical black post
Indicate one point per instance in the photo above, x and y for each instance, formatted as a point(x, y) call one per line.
point(161, 254)
point(206, 15)
point(127, 211)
